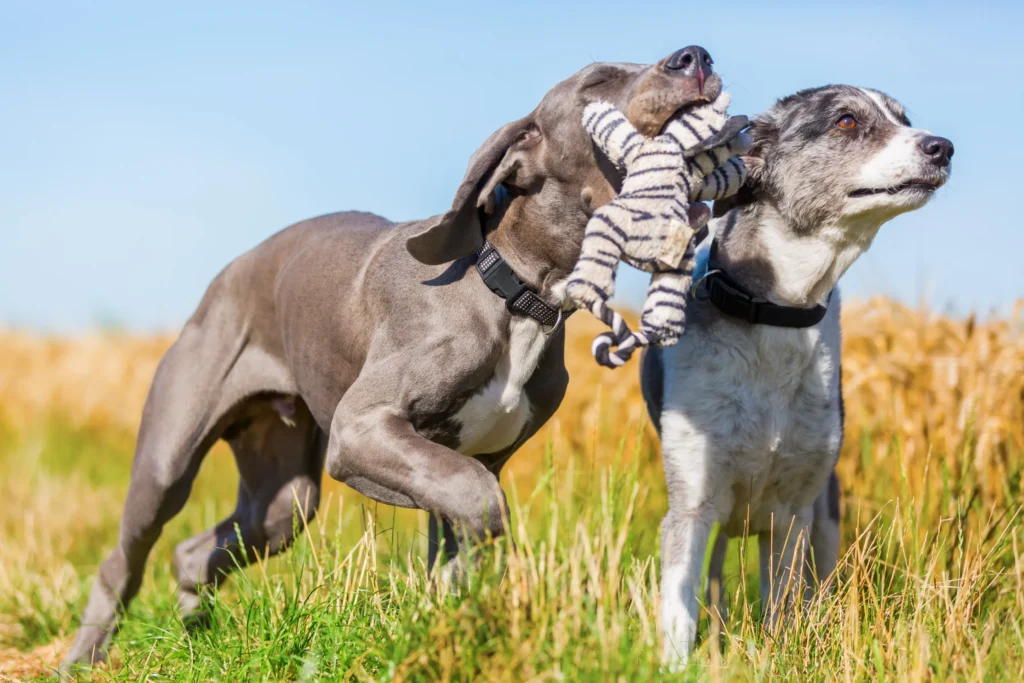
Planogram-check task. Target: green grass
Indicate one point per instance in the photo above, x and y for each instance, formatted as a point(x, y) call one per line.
point(928, 589)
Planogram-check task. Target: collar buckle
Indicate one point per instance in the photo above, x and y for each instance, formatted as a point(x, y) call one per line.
point(519, 298)
point(499, 278)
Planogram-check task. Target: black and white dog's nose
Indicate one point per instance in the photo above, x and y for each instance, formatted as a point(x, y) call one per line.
point(939, 150)
point(691, 60)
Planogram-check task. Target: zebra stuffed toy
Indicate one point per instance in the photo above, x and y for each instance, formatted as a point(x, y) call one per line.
point(650, 224)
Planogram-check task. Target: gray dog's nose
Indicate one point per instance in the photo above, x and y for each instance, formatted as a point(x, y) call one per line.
point(693, 61)
point(939, 150)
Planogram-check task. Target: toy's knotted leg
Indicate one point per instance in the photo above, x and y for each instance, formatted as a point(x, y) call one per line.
point(621, 337)
point(661, 323)
point(592, 281)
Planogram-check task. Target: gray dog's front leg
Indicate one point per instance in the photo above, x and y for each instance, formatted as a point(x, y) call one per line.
point(376, 451)
point(440, 534)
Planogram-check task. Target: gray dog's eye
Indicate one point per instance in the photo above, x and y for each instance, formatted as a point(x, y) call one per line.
point(846, 122)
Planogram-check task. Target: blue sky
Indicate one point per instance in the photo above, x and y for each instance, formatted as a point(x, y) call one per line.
point(142, 148)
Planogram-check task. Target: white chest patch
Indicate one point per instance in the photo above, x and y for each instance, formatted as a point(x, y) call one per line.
point(494, 418)
point(751, 421)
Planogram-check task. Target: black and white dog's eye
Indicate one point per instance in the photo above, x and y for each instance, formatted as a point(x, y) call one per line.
point(846, 122)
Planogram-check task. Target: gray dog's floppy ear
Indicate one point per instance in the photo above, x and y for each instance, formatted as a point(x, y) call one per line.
point(458, 232)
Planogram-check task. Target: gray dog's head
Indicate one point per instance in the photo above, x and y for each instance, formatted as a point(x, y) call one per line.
point(550, 166)
point(841, 156)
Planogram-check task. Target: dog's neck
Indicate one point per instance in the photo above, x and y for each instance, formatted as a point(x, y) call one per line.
point(762, 251)
point(517, 231)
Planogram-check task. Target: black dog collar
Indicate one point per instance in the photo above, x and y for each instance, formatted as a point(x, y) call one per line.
point(731, 298)
point(499, 277)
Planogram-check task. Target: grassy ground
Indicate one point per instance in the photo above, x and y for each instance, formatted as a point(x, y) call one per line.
point(931, 585)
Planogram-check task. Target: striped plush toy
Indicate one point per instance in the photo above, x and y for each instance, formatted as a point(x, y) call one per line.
point(647, 225)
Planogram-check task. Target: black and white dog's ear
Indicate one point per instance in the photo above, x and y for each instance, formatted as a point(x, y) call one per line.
point(763, 136)
point(458, 232)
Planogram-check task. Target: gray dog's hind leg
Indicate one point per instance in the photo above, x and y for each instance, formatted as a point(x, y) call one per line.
point(178, 427)
point(202, 555)
point(280, 466)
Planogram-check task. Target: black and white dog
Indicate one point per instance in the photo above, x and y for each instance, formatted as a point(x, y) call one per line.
point(751, 415)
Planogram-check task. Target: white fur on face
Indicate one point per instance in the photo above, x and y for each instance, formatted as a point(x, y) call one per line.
point(899, 162)
point(880, 103)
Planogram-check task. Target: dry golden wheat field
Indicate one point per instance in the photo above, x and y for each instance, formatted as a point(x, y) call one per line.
point(930, 585)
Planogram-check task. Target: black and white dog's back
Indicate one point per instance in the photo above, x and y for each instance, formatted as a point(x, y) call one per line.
point(751, 415)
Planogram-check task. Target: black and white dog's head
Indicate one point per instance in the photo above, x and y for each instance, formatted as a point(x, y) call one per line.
point(842, 156)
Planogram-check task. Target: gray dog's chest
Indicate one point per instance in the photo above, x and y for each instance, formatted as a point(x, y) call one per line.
point(751, 422)
point(493, 418)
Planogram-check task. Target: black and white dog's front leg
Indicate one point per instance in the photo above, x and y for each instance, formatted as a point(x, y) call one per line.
point(684, 538)
point(694, 508)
